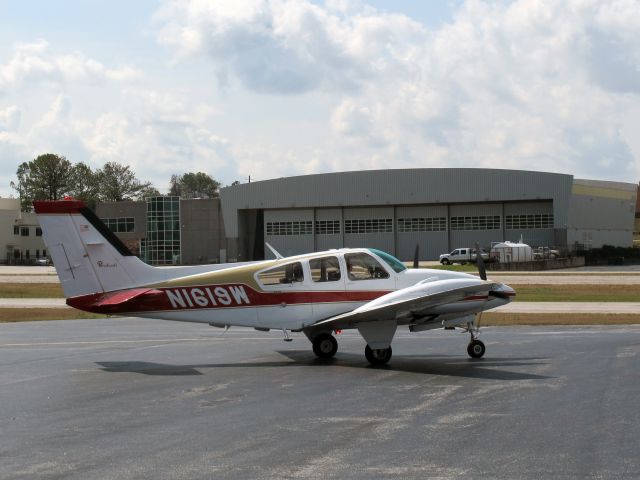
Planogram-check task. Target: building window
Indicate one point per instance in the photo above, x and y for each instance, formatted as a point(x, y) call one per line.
point(529, 221)
point(483, 222)
point(162, 245)
point(422, 224)
point(120, 224)
point(16, 230)
point(327, 227)
point(27, 254)
point(373, 225)
point(24, 231)
point(38, 232)
point(290, 228)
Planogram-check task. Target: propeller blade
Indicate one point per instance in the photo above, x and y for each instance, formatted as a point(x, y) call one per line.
point(416, 256)
point(482, 271)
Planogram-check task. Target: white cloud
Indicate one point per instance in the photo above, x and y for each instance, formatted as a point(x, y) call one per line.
point(526, 84)
point(35, 62)
point(95, 113)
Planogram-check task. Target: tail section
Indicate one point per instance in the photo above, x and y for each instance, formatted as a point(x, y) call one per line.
point(87, 256)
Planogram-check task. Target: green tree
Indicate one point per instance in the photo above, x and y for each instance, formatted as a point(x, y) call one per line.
point(47, 177)
point(117, 182)
point(84, 185)
point(149, 191)
point(194, 185)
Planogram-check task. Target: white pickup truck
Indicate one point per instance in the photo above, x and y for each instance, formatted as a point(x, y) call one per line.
point(462, 256)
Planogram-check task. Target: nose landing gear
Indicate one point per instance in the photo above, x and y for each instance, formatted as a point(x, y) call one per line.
point(476, 348)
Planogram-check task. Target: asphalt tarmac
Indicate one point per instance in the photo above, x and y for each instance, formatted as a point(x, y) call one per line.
point(134, 398)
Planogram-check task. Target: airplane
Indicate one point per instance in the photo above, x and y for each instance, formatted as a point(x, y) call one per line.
point(318, 294)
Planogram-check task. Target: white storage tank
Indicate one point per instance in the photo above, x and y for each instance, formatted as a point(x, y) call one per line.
point(508, 252)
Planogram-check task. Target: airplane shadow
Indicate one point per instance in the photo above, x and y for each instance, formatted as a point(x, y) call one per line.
point(451, 366)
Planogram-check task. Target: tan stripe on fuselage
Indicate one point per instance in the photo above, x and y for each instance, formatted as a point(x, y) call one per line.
point(242, 274)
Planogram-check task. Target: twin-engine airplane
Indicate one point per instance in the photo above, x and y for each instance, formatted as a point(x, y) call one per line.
point(317, 294)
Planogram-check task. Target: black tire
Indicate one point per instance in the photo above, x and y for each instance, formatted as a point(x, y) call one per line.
point(475, 349)
point(463, 263)
point(325, 345)
point(445, 261)
point(378, 357)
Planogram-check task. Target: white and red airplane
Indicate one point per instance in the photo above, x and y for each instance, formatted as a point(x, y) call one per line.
point(318, 294)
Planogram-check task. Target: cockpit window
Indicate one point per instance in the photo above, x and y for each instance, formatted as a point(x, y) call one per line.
point(362, 266)
point(290, 273)
point(390, 260)
point(325, 269)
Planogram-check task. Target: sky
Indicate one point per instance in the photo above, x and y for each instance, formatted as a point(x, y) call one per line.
point(273, 88)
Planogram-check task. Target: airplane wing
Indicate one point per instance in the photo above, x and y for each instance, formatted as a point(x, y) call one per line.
point(412, 302)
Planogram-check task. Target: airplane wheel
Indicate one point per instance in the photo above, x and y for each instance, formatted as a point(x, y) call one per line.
point(325, 345)
point(379, 356)
point(475, 349)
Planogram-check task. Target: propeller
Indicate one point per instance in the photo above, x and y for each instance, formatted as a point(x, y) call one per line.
point(416, 257)
point(482, 271)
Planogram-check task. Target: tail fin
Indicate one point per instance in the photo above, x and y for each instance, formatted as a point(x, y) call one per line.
point(88, 257)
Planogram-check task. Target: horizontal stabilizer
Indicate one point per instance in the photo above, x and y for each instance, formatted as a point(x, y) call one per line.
point(114, 302)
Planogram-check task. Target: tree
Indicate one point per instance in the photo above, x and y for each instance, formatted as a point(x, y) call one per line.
point(194, 185)
point(149, 191)
point(47, 177)
point(84, 185)
point(116, 182)
point(235, 182)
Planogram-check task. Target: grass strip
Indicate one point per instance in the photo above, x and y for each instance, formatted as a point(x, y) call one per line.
point(10, 315)
point(30, 290)
point(504, 319)
point(576, 293)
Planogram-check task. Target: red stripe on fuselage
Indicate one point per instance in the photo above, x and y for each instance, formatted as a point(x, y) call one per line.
point(209, 296)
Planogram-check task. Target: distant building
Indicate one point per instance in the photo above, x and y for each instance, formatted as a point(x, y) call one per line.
point(438, 208)
point(170, 230)
point(20, 234)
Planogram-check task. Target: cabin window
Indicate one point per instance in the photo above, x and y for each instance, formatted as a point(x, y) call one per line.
point(38, 232)
point(325, 269)
point(282, 274)
point(390, 260)
point(361, 266)
point(24, 231)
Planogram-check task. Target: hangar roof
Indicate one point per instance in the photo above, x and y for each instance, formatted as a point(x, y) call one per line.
point(396, 187)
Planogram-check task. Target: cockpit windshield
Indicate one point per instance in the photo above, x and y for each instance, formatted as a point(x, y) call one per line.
point(390, 260)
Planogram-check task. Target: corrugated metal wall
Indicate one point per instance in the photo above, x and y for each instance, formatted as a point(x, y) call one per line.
point(395, 194)
point(402, 240)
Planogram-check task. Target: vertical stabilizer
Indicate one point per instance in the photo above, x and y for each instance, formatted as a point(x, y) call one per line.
point(87, 256)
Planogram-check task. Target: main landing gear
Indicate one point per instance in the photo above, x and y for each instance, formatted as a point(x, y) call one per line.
point(379, 356)
point(324, 345)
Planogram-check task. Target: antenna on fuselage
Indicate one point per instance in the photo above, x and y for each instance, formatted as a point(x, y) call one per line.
point(274, 251)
